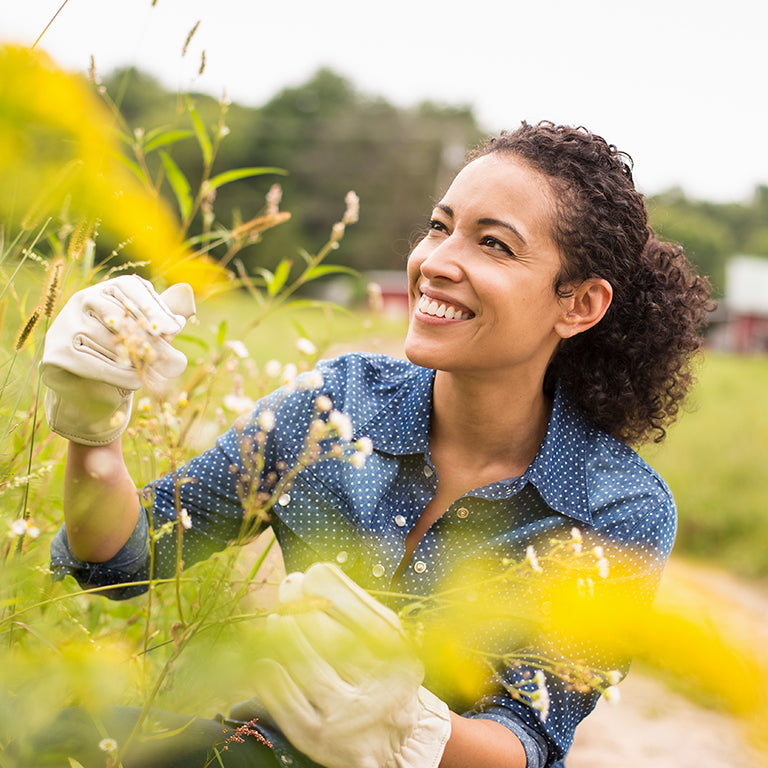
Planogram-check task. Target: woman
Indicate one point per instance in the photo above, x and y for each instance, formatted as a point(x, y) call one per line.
point(549, 329)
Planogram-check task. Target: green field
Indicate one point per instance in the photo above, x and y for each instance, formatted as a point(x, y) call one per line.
point(715, 460)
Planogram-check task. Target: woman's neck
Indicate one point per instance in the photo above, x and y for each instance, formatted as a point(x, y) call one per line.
point(487, 423)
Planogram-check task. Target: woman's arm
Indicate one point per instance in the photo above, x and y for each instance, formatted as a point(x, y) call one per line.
point(481, 744)
point(101, 504)
point(109, 340)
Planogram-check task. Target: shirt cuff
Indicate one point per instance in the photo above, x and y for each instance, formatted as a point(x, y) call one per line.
point(534, 744)
point(127, 565)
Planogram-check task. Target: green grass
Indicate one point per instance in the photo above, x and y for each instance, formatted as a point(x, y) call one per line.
point(715, 461)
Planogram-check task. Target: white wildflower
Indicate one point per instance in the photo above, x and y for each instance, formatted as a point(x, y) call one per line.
point(324, 403)
point(186, 520)
point(352, 214)
point(576, 540)
point(273, 368)
point(305, 346)
point(357, 460)
point(613, 677)
point(337, 232)
point(310, 380)
point(274, 196)
point(22, 527)
point(612, 694)
point(342, 424)
point(540, 697)
point(108, 745)
point(238, 403)
point(365, 446)
point(239, 349)
point(289, 374)
point(266, 421)
point(533, 560)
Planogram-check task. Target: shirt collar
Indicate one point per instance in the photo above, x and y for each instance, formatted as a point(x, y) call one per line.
point(558, 471)
point(401, 425)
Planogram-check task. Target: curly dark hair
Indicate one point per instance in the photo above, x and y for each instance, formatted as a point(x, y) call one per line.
point(631, 371)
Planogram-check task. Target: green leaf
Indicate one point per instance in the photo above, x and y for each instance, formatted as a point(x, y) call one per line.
point(202, 134)
point(280, 277)
point(179, 184)
point(221, 333)
point(329, 269)
point(136, 169)
point(165, 139)
point(316, 304)
point(240, 173)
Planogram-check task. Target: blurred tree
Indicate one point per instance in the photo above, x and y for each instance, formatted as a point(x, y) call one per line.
point(331, 138)
point(712, 232)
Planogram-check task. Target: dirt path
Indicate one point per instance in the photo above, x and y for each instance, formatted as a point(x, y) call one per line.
point(654, 726)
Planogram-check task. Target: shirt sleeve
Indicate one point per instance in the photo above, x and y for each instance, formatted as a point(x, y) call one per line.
point(637, 535)
point(120, 574)
point(214, 494)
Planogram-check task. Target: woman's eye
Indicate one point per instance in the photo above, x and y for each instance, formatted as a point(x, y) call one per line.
point(437, 225)
point(492, 242)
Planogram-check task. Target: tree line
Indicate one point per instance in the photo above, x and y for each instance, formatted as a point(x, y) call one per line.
point(330, 138)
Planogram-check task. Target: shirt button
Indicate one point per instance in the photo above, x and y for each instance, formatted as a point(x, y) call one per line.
point(428, 471)
point(462, 512)
point(378, 570)
point(419, 566)
point(342, 557)
point(284, 500)
point(399, 521)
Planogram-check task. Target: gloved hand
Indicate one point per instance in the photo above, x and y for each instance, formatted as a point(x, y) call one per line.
point(108, 340)
point(344, 685)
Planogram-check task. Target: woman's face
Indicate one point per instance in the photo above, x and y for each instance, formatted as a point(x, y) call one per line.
point(481, 282)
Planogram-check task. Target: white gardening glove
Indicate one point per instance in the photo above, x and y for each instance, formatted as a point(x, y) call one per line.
point(108, 340)
point(343, 684)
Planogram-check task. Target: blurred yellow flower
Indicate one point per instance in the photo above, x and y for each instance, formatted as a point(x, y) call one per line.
point(58, 145)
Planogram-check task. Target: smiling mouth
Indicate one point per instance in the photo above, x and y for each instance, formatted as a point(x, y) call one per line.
point(440, 309)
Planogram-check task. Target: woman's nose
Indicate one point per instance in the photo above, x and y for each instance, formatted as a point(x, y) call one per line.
point(443, 261)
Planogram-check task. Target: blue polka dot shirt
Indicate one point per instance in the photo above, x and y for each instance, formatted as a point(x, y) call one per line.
point(358, 517)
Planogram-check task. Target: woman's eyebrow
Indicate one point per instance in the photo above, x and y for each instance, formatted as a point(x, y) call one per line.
point(498, 223)
point(486, 222)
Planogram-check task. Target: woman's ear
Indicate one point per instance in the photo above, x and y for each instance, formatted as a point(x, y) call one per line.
point(585, 307)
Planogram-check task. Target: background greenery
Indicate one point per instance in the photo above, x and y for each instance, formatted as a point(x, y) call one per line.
point(330, 137)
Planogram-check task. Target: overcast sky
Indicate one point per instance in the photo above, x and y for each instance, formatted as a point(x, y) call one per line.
point(679, 84)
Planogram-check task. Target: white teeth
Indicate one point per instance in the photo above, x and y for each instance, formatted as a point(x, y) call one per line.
point(432, 307)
